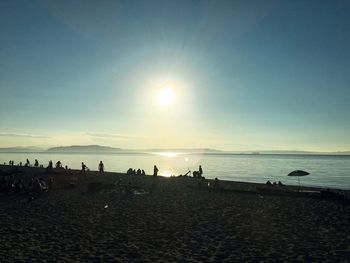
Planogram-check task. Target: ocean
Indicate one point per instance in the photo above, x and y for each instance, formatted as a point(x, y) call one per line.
point(325, 170)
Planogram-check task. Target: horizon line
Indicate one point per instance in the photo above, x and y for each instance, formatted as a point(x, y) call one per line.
point(41, 148)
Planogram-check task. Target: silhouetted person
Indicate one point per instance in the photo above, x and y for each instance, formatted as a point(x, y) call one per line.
point(20, 163)
point(200, 171)
point(216, 183)
point(83, 167)
point(138, 172)
point(49, 167)
point(27, 163)
point(129, 171)
point(280, 183)
point(58, 164)
point(143, 172)
point(36, 163)
point(155, 171)
point(101, 167)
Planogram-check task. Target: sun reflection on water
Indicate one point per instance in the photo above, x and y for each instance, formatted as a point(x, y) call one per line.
point(167, 154)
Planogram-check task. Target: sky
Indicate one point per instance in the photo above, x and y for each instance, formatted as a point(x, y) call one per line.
point(245, 75)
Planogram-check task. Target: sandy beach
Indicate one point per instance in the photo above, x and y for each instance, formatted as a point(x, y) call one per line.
point(85, 218)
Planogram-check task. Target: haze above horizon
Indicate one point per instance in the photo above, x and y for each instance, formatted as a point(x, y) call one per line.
point(227, 75)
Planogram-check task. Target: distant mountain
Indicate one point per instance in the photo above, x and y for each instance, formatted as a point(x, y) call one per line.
point(342, 153)
point(292, 152)
point(21, 149)
point(107, 149)
point(83, 149)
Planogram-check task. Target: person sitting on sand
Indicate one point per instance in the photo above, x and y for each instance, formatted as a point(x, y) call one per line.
point(143, 172)
point(268, 182)
point(138, 172)
point(129, 171)
point(155, 171)
point(101, 167)
point(27, 163)
point(280, 183)
point(36, 163)
point(58, 165)
point(216, 183)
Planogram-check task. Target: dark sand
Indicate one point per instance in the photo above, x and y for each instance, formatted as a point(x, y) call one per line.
point(176, 222)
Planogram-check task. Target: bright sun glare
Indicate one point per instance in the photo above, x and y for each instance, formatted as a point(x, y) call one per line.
point(166, 96)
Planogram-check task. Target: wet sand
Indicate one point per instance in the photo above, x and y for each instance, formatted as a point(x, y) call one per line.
point(176, 221)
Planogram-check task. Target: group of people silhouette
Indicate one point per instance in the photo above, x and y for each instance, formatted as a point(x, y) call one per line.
point(11, 184)
point(274, 183)
point(101, 168)
point(132, 171)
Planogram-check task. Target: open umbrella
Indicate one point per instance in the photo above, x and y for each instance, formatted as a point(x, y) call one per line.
point(298, 173)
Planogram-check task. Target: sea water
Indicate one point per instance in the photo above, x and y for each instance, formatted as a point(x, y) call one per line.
point(325, 171)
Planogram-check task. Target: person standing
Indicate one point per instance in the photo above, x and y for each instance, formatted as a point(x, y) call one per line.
point(101, 167)
point(200, 170)
point(155, 171)
point(83, 168)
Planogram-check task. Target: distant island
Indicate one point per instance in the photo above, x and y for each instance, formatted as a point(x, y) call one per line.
point(108, 149)
point(83, 149)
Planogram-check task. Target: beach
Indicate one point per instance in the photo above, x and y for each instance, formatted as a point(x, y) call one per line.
point(85, 218)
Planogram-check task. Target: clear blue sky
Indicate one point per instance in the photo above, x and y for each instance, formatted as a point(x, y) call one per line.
point(248, 75)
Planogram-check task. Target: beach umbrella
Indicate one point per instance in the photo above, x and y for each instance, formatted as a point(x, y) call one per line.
point(298, 173)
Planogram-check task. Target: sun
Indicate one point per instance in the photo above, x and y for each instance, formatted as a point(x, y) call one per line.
point(166, 96)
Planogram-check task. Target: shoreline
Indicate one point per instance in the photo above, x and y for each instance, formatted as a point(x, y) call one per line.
point(227, 184)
